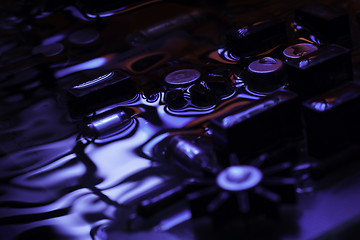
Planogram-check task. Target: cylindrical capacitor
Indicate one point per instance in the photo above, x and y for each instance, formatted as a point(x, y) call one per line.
point(266, 74)
point(190, 156)
point(106, 124)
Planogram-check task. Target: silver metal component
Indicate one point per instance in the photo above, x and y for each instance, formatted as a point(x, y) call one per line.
point(94, 81)
point(190, 156)
point(299, 50)
point(239, 178)
point(182, 77)
point(107, 124)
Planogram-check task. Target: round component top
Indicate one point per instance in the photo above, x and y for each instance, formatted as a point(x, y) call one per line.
point(239, 178)
point(182, 77)
point(299, 50)
point(266, 74)
point(265, 65)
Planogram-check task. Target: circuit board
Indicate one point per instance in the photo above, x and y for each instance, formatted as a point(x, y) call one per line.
point(179, 120)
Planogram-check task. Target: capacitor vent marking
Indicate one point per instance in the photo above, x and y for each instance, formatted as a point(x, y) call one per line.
point(239, 178)
point(183, 76)
point(265, 65)
point(94, 81)
point(242, 31)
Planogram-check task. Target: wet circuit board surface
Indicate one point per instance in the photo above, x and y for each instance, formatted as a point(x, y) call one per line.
point(179, 120)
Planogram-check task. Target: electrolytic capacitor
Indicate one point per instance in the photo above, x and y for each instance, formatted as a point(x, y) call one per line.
point(193, 157)
point(266, 74)
point(106, 124)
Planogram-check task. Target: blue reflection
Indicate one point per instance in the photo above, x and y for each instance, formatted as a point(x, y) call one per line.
point(320, 106)
point(94, 63)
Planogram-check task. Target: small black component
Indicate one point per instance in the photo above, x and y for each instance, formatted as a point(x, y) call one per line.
point(332, 120)
point(266, 74)
point(256, 38)
point(257, 126)
point(202, 96)
point(329, 24)
point(218, 82)
point(175, 99)
point(319, 71)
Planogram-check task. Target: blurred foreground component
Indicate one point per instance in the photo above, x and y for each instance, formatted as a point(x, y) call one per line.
point(332, 120)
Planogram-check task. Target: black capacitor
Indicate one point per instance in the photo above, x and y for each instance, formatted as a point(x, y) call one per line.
point(266, 74)
point(202, 96)
point(256, 38)
point(329, 24)
point(90, 90)
point(175, 99)
point(258, 126)
point(332, 120)
point(319, 71)
point(219, 83)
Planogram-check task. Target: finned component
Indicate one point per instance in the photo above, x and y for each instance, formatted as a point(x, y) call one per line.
point(239, 178)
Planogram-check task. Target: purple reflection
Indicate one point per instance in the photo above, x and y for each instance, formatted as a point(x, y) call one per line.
point(94, 63)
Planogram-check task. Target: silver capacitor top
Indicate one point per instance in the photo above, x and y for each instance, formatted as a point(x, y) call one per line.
point(182, 77)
